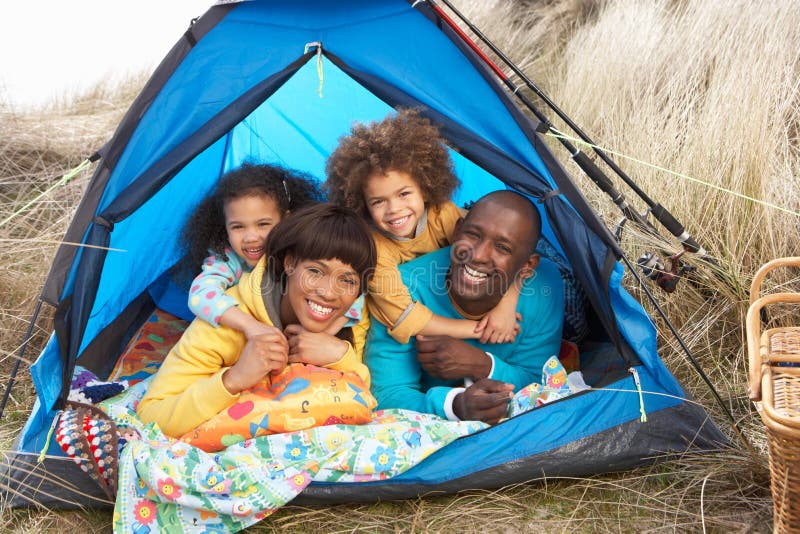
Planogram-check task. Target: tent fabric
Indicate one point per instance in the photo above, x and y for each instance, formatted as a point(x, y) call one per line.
point(279, 81)
point(109, 153)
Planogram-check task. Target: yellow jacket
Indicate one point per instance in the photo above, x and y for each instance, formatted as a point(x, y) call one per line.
point(188, 390)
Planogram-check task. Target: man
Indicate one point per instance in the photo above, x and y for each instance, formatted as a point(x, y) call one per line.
point(493, 247)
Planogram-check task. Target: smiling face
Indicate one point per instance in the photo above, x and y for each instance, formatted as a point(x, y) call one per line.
point(395, 203)
point(317, 292)
point(490, 247)
point(248, 221)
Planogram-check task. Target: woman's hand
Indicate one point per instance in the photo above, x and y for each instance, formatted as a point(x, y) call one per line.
point(262, 354)
point(316, 348)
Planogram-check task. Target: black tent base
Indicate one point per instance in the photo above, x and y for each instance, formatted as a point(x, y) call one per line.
point(59, 484)
point(685, 428)
point(53, 484)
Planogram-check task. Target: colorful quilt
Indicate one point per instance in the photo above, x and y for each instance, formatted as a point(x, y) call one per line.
point(166, 485)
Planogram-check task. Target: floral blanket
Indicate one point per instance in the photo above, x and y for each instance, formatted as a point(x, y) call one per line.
point(166, 485)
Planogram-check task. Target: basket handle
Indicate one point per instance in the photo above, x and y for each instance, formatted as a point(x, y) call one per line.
point(755, 285)
point(754, 356)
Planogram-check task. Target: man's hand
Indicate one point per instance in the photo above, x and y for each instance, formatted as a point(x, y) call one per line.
point(452, 359)
point(264, 353)
point(317, 348)
point(486, 400)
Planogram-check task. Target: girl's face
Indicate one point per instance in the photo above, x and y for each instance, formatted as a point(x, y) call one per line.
point(318, 292)
point(248, 221)
point(395, 202)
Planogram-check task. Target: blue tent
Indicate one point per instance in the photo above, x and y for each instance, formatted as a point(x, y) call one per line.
point(279, 81)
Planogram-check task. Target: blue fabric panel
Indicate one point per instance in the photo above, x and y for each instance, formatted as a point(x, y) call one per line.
point(399, 49)
point(46, 375)
point(640, 332)
point(259, 38)
point(144, 245)
point(299, 129)
point(296, 127)
point(34, 435)
point(171, 298)
point(539, 430)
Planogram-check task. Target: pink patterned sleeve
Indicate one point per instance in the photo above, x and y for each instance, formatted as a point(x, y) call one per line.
point(207, 298)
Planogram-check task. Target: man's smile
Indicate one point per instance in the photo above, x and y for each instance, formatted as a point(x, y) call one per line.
point(473, 276)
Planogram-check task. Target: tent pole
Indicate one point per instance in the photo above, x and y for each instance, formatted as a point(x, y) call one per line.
point(659, 212)
point(21, 353)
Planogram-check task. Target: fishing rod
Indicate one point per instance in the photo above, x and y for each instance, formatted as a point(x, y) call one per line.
point(649, 262)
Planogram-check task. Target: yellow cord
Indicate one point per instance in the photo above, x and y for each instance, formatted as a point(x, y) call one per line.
point(43, 453)
point(561, 135)
point(642, 412)
point(319, 63)
point(319, 69)
point(63, 181)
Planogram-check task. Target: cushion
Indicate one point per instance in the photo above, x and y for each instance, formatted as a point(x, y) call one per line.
point(302, 396)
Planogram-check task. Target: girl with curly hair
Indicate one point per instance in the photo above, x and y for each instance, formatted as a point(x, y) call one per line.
point(398, 175)
point(227, 234)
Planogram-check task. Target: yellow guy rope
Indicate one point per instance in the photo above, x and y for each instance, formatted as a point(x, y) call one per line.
point(63, 181)
point(561, 135)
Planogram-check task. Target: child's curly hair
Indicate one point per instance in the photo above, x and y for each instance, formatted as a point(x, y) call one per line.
point(405, 142)
point(205, 229)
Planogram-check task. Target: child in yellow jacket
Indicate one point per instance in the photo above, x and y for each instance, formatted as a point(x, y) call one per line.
point(398, 175)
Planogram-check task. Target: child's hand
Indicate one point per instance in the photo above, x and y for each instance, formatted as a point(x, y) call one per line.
point(495, 327)
point(246, 323)
point(315, 348)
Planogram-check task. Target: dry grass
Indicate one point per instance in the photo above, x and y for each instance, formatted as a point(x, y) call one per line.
point(706, 89)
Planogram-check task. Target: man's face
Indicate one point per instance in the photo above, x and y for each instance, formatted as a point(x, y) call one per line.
point(490, 247)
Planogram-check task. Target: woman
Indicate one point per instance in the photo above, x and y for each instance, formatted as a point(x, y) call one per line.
point(317, 262)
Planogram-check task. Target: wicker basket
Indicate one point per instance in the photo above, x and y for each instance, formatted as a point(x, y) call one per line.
point(774, 359)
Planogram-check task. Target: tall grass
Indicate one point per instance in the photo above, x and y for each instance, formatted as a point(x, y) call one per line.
point(707, 90)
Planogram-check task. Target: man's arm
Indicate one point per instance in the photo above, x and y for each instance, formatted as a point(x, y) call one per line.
point(396, 375)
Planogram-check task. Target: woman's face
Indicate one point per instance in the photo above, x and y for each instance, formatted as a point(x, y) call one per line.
point(318, 292)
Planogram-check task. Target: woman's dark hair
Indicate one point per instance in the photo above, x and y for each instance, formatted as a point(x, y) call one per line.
point(205, 230)
point(405, 142)
point(323, 231)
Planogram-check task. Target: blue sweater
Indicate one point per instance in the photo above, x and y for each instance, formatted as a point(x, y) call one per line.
point(398, 380)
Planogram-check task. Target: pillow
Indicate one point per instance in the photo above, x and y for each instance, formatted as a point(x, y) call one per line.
point(301, 397)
